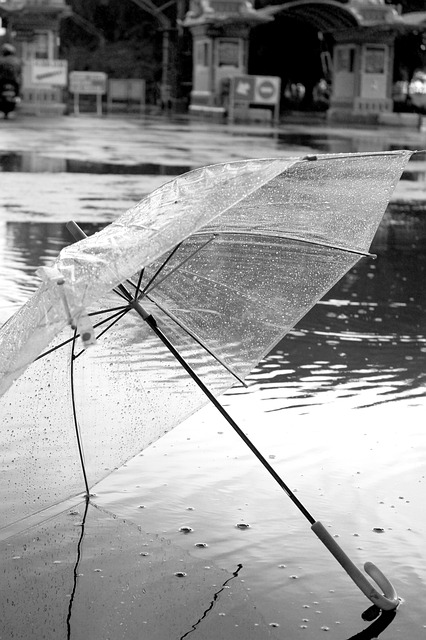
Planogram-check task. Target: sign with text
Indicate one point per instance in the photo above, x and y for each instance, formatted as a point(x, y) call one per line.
point(49, 72)
point(88, 82)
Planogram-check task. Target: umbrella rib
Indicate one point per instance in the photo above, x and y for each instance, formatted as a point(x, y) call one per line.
point(98, 313)
point(114, 319)
point(159, 270)
point(354, 156)
point(98, 324)
point(197, 340)
point(138, 286)
point(295, 238)
point(139, 294)
point(194, 253)
point(122, 292)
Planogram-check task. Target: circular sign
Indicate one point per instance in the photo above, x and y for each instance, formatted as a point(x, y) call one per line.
point(267, 89)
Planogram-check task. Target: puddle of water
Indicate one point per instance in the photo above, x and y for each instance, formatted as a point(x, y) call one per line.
point(340, 405)
point(332, 143)
point(323, 143)
point(414, 176)
point(34, 163)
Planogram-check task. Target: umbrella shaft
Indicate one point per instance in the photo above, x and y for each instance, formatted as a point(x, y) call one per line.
point(79, 235)
point(152, 323)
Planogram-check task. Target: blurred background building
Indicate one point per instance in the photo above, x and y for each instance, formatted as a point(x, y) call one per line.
point(342, 58)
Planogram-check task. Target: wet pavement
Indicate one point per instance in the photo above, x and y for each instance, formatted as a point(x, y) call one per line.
point(40, 159)
point(340, 402)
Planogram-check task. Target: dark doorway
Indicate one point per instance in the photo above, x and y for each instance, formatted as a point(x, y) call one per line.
point(296, 52)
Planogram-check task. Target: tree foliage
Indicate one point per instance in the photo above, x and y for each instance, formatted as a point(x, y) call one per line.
point(115, 19)
point(114, 36)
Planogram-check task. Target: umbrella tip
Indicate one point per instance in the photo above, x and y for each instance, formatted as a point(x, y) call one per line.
point(76, 231)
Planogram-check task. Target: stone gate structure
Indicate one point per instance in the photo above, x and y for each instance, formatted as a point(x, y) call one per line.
point(364, 33)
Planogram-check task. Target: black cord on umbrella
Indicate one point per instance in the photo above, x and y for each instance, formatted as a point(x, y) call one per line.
point(74, 411)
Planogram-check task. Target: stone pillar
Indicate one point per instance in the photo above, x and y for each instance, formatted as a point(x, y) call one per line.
point(218, 54)
point(220, 31)
point(35, 28)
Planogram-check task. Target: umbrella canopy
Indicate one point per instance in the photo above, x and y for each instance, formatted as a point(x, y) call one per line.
point(226, 259)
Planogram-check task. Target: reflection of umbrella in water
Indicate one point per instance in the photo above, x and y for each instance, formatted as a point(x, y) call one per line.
point(218, 264)
point(376, 627)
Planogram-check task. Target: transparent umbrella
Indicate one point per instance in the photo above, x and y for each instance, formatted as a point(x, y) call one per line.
point(182, 296)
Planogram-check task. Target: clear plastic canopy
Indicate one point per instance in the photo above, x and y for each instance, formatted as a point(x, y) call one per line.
point(228, 257)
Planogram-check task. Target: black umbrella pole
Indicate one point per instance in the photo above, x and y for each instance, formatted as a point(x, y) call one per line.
point(389, 600)
point(152, 323)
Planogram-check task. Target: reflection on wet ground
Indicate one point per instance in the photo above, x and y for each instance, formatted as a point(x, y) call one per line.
point(414, 176)
point(328, 142)
point(39, 163)
point(33, 163)
point(363, 346)
point(17, 162)
point(150, 580)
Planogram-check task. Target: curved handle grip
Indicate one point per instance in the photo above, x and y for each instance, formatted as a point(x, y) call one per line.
point(387, 600)
point(381, 580)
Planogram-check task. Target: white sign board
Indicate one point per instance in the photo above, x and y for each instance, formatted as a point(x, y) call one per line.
point(267, 90)
point(88, 82)
point(49, 73)
point(257, 89)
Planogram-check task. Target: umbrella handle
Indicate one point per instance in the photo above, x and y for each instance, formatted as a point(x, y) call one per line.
point(387, 600)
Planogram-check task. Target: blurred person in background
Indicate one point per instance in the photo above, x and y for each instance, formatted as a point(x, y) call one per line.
point(10, 67)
